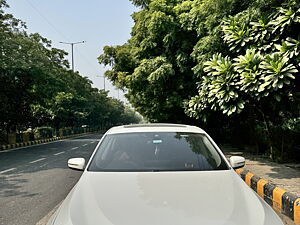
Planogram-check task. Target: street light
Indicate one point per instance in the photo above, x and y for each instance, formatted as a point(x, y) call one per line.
point(118, 93)
point(103, 81)
point(72, 45)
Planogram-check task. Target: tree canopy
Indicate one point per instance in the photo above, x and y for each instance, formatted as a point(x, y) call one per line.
point(223, 64)
point(37, 87)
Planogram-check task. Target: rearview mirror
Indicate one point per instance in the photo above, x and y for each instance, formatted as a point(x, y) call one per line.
point(237, 162)
point(76, 163)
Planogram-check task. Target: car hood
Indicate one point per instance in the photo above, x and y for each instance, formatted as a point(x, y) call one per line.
point(164, 198)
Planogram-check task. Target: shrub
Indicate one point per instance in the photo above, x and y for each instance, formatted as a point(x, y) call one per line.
point(43, 132)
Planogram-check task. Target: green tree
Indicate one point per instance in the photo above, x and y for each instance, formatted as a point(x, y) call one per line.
point(155, 63)
point(261, 78)
point(37, 87)
point(250, 82)
point(161, 63)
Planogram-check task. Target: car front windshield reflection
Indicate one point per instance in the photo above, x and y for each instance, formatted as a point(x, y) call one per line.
point(157, 151)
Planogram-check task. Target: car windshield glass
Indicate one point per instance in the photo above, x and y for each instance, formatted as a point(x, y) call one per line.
point(156, 151)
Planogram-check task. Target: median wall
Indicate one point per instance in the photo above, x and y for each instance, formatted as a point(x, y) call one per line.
point(29, 143)
point(281, 200)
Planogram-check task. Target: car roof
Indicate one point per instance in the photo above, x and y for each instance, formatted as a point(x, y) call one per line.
point(154, 127)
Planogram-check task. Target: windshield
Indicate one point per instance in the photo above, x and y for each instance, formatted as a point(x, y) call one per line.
point(156, 151)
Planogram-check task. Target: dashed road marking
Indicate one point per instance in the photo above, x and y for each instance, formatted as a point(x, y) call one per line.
point(38, 160)
point(92, 142)
point(8, 170)
point(43, 165)
point(74, 148)
point(59, 153)
point(85, 145)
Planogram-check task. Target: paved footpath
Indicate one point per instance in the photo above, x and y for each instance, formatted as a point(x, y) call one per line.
point(286, 176)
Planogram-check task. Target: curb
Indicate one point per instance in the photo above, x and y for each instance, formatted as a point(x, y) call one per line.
point(281, 200)
point(30, 143)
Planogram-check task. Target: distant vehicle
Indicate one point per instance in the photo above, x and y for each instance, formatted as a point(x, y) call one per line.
point(161, 174)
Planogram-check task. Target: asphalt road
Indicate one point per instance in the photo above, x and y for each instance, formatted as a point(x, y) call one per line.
point(35, 179)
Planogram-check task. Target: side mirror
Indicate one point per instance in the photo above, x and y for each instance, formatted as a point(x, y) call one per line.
point(237, 162)
point(76, 163)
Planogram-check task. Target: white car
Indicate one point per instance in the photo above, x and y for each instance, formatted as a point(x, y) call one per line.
point(161, 174)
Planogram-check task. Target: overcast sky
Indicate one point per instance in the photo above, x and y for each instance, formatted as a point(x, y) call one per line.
point(98, 22)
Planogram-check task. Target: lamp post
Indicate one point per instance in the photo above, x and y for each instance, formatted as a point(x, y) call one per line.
point(103, 81)
point(72, 46)
point(118, 90)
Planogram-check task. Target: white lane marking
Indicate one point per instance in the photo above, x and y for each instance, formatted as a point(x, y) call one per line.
point(41, 159)
point(92, 142)
point(45, 164)
point(59, 153)
point(8, 170)
point(85, 145)
point(74, 148)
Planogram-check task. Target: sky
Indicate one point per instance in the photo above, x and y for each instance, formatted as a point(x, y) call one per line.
point(97, 22)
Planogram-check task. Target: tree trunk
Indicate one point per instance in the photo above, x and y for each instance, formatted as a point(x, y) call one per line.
point(268, 133)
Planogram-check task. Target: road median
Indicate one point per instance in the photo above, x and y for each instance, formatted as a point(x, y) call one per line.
point(41, 141)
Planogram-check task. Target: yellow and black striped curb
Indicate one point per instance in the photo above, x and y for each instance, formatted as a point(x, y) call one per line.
point(29, 143)
point(281, 200)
